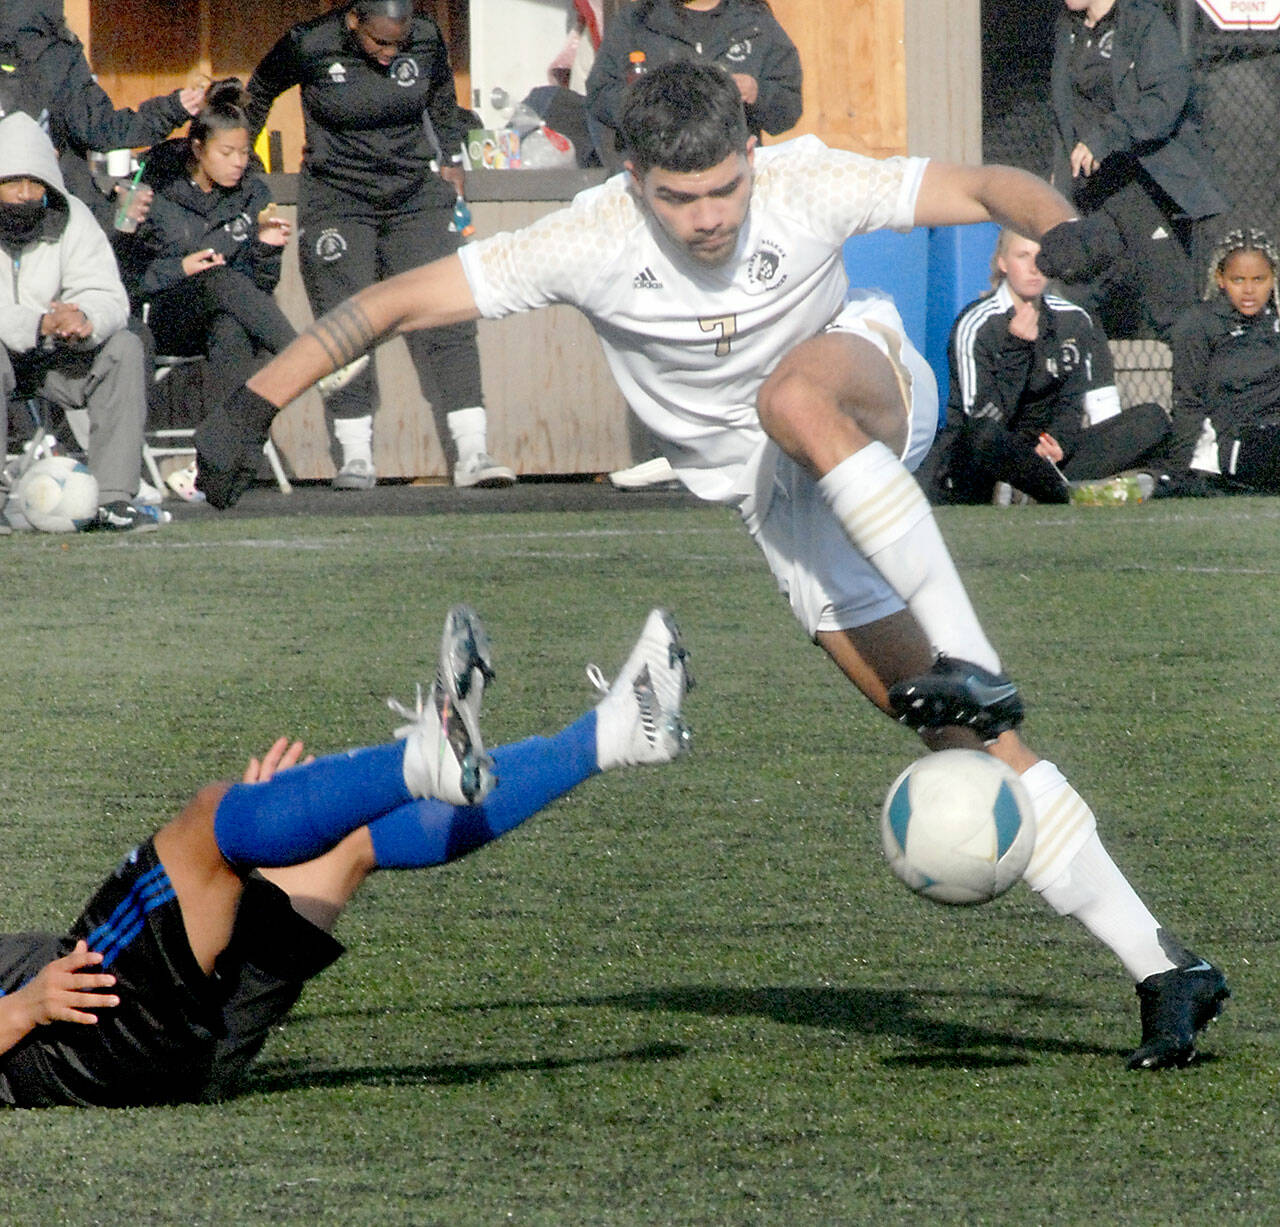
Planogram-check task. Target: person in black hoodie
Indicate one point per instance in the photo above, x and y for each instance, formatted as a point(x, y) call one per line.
point(208, 255)
point(742, 36)
point(380, 106)
point(44, 72)
point(1226, 376)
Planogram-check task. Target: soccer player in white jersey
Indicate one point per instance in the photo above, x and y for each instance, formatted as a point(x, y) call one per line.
point(713, 274)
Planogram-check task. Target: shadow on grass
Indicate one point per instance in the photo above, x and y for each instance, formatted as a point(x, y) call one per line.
point(874, 1012)
point(273, 1076)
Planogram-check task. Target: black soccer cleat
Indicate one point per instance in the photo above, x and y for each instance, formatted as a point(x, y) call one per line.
point(1175, 1006)
point(958, 692)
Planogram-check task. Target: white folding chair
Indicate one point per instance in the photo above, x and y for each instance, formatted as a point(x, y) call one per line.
point(177, 441)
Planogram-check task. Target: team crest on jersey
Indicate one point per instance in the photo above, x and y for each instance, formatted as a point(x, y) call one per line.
point(646, 279)
point(1068, 358)
point(739, 52)
point(1104, 44)
point(404, 70)
point(337, 73)
point(331, 245)
point(238, 227)
point(764, 268)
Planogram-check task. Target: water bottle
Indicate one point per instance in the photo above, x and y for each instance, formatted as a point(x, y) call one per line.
point(462, 219)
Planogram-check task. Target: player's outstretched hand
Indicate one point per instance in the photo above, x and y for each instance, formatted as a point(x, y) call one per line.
point(282, 755)
point(68, 989)
point(1080, 249)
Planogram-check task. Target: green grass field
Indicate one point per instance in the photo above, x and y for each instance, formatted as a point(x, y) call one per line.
point(689, 995)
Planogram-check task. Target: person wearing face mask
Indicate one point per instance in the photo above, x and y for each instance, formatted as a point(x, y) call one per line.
point(63, 311)
point(380, 106)
point(44, 72)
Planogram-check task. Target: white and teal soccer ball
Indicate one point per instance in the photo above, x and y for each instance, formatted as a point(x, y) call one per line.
point(958, 827)
point(58, 495)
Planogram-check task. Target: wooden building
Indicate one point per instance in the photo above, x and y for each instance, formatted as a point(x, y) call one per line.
point(881, 77)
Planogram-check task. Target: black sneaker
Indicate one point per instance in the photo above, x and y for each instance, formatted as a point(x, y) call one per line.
point(1175, 1005)
point(123, 517)
point(958, 692)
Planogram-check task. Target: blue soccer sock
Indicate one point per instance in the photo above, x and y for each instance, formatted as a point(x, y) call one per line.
point(530, 774)
point(302, 812)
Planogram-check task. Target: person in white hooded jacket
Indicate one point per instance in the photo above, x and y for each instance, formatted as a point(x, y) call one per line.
point(63, 310)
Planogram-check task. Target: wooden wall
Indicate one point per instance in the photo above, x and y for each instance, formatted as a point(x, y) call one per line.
point(854, 71)
point(868, 86)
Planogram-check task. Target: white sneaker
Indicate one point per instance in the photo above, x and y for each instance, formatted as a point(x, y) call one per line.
point(183, 483)
point(333, 382)
point(356, 475)
point(656, 472)
point(444, 755)
point(147, 495)
point(482, 470)
point(638, 720)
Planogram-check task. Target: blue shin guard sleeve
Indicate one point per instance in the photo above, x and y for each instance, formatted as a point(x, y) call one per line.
point(530, 774)
point(304, 811)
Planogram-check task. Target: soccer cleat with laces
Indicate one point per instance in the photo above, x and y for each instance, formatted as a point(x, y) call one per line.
point(958, 692)
point(638, 720)
point(1175, 1006)
point(444, 754)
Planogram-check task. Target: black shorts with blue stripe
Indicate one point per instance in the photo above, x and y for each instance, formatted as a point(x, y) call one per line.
point(177, 1035)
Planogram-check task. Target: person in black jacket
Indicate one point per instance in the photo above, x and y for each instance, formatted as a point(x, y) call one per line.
point(1226, 376)
point(1127, 143)
point(742, 36)
point(380, 107)
point(1033, 401)
point(210, 249)
point(44, 72)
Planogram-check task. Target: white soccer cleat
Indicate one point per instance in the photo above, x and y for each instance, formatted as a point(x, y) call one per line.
point(444, 754)
point(638, 720)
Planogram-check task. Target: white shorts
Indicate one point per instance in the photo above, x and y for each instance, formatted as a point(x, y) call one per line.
point(829, 584)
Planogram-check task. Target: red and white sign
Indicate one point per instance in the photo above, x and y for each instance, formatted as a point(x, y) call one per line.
point(1243, 14)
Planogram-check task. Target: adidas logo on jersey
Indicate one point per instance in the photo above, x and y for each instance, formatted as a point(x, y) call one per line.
point(646, 279)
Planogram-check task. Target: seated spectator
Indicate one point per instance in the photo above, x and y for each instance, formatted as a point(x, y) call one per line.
point(1226, 377)
point(62, 323)
point(210, 250)
point(1033, 398)
point(742, 36)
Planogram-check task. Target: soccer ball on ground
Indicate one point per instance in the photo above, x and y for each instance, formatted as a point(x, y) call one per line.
point(58, 495)
point(958, 827)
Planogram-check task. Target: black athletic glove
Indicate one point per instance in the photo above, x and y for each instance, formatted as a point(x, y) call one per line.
point(229, 446)
point(1080, 249)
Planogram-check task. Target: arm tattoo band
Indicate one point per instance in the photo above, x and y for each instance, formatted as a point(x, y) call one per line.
point(345, 333)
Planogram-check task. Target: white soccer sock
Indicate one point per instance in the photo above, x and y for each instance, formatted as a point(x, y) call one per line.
point(355, 437)
point(889, 519)
point(468, 429)
point(1073, 873)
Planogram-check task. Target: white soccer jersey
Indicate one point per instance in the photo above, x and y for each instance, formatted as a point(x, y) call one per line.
point(689, 345)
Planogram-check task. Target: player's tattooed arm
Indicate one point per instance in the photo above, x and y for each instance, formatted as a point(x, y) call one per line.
point(345, 333)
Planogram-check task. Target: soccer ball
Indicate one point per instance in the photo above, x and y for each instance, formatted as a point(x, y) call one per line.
point(58, 495)
point(958, 827)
